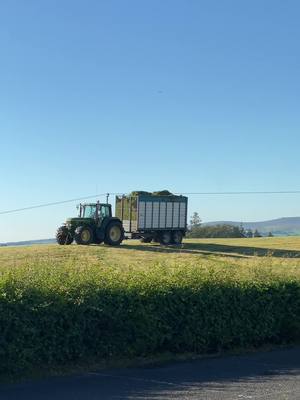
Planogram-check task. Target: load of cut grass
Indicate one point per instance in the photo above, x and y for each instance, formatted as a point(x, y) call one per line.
point(157, 193)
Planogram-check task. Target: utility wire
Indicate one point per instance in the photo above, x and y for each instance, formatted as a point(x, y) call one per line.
point(53, 204)
point(182, 193)
point(239, 193)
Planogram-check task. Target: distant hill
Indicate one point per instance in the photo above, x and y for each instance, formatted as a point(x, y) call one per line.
point(28, 242)
point(281, 227)
point(288, 226)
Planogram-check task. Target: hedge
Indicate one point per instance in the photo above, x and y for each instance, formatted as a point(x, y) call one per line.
point(56, 316)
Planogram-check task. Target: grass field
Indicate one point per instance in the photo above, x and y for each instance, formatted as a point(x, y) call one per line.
point(271, 252)
point(61, 304)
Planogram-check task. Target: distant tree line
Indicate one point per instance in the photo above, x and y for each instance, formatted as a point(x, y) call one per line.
point(216, 231)
point(197, 230)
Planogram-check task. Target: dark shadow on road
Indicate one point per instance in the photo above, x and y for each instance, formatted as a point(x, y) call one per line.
point(216, 249)
point(275, 374)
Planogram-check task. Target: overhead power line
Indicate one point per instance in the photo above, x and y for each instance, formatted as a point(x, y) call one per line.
point(245, 192)
point(181, 193)
point(53, 203)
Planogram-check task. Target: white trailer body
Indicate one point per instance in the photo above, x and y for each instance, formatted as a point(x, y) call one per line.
point(149, 213)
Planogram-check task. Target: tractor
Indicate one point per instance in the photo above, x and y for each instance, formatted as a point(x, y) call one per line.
point(94, 224)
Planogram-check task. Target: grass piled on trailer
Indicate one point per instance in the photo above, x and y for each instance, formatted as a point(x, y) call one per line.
point(55, 310)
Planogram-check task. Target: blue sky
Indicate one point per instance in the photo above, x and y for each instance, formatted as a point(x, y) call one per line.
point(114, 96)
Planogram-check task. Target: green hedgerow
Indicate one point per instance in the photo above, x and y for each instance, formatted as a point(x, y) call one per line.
point(61, 313)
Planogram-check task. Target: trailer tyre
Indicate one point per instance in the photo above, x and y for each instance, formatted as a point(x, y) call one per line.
point(165, 238)
point(114, 234)
point(63, 236)
point(84, 235)
point(155, 239)
point(146, 239)
point(177, 237)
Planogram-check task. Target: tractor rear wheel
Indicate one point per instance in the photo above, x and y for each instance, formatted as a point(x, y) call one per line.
point(114, 234)
point(84, 235)
point(177, 237)
point(165, 238)
point(63, 235)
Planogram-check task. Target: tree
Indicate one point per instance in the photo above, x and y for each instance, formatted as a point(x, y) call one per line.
point(195, 221)
point(249, 233)
point(242, 230)
point(256, 233)
point(270, 234)
point(216, 231)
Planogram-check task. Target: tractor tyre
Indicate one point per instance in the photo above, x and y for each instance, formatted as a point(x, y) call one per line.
point(63, 236)
point(165, 238)
point(177, 237)
point(84, 235)
point(114, 234)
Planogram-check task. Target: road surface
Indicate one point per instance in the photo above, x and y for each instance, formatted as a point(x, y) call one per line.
point(271, 375)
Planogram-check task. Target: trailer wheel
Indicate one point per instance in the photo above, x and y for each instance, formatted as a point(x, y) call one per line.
point(146, 239)
point(155, 239)
point(63, 236)
point(177, 237)
point(165, 238)
point(84, 235)
point(114, 234)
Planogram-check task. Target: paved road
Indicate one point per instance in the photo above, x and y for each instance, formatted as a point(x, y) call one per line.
point(273, 375)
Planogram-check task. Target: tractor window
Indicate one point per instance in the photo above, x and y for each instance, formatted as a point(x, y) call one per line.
point(104, 211)
point(89, 212)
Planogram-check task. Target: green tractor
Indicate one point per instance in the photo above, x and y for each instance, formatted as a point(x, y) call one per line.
point(94, 224)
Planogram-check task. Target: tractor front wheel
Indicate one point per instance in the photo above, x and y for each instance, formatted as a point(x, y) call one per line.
point(84, 235)
point(114, 234)
point(63, 235)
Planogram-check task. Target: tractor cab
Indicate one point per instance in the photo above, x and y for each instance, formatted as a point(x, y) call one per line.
point(95, 210)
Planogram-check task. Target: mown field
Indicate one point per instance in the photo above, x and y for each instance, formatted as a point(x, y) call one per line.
point(66, 304)
point(133, 254)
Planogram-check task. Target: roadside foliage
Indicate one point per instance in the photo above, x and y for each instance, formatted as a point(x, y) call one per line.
point(63, 306)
